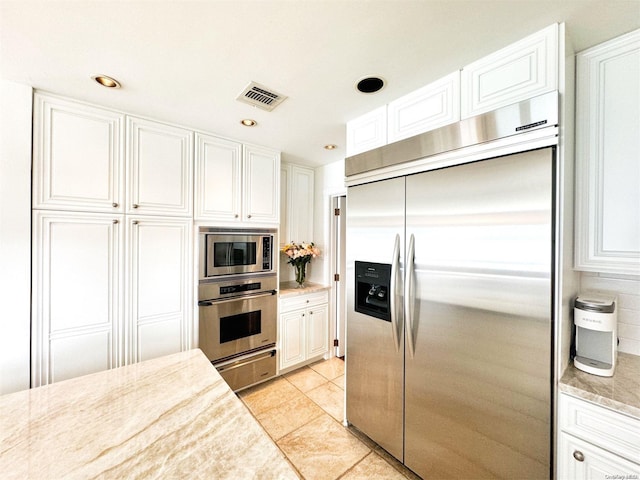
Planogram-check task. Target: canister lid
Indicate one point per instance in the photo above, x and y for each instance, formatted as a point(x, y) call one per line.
point(596, 303)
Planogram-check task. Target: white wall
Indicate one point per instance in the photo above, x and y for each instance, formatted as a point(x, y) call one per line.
point(329, 180)
point(15, 235)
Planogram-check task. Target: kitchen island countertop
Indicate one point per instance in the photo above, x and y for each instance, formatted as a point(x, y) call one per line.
point(621, 392)
point(170, 417)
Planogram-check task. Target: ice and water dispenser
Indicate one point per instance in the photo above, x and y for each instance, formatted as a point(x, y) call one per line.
point(596, 343)
point(373, 281)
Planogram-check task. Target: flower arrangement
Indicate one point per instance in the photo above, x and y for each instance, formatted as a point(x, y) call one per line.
point(298, 256)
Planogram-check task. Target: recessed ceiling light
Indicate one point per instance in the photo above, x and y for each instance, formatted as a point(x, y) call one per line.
point(106, 81)
point(370, 84)
point(330, 146)
point(247, 122)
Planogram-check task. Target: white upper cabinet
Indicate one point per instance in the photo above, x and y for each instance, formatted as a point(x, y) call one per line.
point(261, 199)
point(367, 132)
point(160, 168)
point(236, 183)
point(429, 107)
point(608, 157)
point(77, 156)
point(522, 70)
point(297, 196)
point(218, 179)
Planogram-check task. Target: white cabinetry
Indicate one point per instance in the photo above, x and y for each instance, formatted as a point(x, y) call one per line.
point(77, 294)
point(296, 214)
point(236, 183)
point(304, 329)
point(159, 286)
point(261, 182)
point(367, 132)
point(522, 70)
point(429, 107)
point(91, 310)
point(595, 442)
point(160, 168)
point(608, 157)
point(78, 156)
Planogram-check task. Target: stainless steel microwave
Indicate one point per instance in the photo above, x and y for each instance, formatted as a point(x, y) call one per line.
point(235, 252)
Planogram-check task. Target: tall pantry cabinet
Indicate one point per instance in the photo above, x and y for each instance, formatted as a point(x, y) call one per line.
point(112, 213)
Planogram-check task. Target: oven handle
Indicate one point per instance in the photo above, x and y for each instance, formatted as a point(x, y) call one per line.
point(208, 303)
point(245, 361)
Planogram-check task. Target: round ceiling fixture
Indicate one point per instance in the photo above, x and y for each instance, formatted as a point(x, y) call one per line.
point(106, 81)
point(370, 84)
point(247, 122)
point(330, 146)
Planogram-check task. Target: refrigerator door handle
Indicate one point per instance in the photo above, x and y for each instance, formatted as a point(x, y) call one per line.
point(409, 294)
point(395, 265)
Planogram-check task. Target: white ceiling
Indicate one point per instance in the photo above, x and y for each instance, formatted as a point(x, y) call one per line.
point(185, 62)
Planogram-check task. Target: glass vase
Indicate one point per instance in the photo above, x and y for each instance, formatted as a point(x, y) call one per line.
point(300, 274)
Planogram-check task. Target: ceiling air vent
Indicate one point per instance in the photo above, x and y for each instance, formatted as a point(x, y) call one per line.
point(261, 97)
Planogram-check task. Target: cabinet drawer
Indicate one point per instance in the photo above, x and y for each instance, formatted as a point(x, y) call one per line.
point(615, 432)
point(581, 460)
point(303, 301)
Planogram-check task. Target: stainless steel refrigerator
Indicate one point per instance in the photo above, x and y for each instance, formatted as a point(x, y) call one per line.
point(449, 358)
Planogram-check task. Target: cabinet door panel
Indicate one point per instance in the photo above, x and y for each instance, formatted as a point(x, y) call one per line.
point(596, 463)
point(522, 70)
point(318, 330)
point(429, 107)
point(607, 146)
point(301, 207)
point(292, 338)
point(77, 265)
point(77, 156)
point(218, 179)
point(261, 185)
point(160, 160)
point(367, 132)
point(159, 303)
point(76, 355)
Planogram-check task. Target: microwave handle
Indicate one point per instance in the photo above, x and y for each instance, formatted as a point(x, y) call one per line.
point(208, 303)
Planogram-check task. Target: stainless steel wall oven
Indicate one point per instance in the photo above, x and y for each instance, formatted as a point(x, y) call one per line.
point(237, 300)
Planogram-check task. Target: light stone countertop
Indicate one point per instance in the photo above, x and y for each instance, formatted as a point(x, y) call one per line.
point(171, 417)
point(288, 289)
point(621, 392)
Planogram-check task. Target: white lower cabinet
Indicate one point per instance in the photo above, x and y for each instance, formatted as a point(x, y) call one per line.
point(77, 294)
point(595, 442)
point(81, 321)
point(303, 330)
point(159, 313)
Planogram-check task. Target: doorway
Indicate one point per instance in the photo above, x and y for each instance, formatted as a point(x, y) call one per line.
point(338, 264)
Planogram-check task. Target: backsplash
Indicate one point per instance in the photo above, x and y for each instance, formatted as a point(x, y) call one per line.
point(628, 291)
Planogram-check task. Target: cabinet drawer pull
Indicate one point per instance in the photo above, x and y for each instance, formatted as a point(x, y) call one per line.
point(236, 215)
point(114, 205)
point(135, 222)
point(135, 205)
point(115, 221)
point(578, 455)
point(248, 216)
point(310, 313)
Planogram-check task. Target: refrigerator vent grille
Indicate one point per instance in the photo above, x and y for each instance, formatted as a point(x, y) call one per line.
point(261, 97)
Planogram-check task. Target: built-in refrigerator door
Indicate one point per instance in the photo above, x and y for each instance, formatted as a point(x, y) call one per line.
point(375, 345)
point(478, 319)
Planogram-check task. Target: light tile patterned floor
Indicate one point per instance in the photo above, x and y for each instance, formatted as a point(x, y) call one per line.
point(302, 411)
